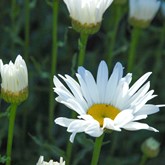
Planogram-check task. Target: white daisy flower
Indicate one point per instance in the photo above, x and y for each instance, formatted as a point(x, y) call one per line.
point(87, 14)
point(14, 80)
point(51, 162)
point(109, 103)
point(142, 12)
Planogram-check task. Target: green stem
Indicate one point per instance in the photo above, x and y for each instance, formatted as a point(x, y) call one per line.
point(97, 149)
point(13, 16)
point(82, 48)
point(143, 160)
point(26, 55)
point(53, 65)
point(10, 132)
point(114, 33)
point(27, 27)
point(132, 51)
point(158, 55)
point(69, 152)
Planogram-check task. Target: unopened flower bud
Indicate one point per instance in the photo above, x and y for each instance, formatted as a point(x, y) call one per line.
point(150, 147)
point(87, 15)
point(51, 162)
point(14, 86)
point(141, 12)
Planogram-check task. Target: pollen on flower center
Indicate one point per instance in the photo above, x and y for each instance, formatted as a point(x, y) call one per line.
point(101, 111)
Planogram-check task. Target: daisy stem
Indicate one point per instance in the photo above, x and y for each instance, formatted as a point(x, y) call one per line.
point(97, 149)
point(68, 152)
point(27, 27)
point(158, 55)
point(13, 22)
point(113, 35)
point(12, 116)
point(132, 51)
point(143, 160)
point(82, 48)
point(53, 65)
point(26, 55)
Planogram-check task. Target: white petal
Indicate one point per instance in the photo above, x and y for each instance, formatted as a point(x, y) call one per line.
point(138, 95)
point(90, 84)
point(74, 105)
point(94, 129)
point(72, 136)
point(84, 90)
point(161, 105)
point(147, 109)
point(85, 117)
point(65, 122)
point(78, 126)
point(139, 117)
point(113, 82)
point(133, 126)
point(139, 83)
point(123, 117)
point(102, 79)
point(109, 124)
point(144, 100)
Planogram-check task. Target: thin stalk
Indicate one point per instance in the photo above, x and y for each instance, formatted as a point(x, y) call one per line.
point(82, 48)
point(27, 29)
point(69, 152)
point(26, 55)
point(113, 36)
point(10, 132)
point(13, 16)
point(133, 45)
point(97, 149)
point(143, 160)
point(158, 55)
point(53, 65)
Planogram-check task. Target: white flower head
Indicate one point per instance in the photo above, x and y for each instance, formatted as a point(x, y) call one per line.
point(51, 162)
point(141, 12)
point(14, 80)
point(87, 13)
point(107, 103)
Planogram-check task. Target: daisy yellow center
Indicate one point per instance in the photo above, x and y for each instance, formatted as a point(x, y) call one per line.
point(101, 111)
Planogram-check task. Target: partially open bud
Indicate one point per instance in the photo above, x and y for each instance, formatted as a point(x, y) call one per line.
point(141, 12)
point(150, 147)
point(87, 15)
point(51, 162)
point(14, 86)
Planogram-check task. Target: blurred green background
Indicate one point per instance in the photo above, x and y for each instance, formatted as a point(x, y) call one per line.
point(31, 129)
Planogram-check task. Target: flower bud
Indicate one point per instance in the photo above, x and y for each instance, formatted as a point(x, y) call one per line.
point(87, 15)
point(14, 86)
point(51, 162)
point(150, 147)
point(141, 12)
